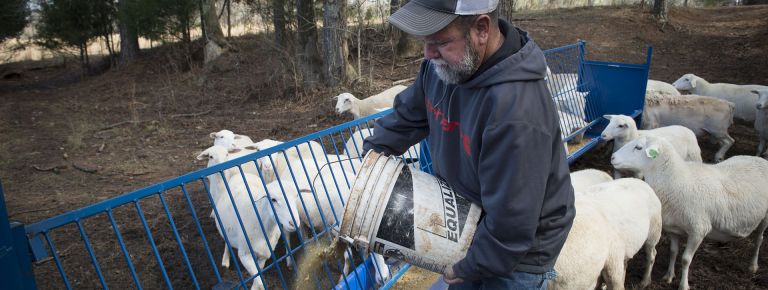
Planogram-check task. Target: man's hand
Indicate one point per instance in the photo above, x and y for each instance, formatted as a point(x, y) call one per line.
point(450, 277)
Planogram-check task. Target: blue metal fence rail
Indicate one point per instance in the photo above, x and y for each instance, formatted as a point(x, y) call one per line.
point(181, 250)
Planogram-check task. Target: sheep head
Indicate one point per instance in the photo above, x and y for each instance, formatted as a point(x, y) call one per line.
point(762, 99)
point(686, 82)
point(640, 154)
point(619, 126)
point(344, 102)
point(223, 138)
point(214, 155)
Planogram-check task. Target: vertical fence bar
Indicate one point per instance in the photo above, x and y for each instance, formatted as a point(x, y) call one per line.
point(58, 261)
point(124, 249)
point(201, 233)
point(178, 240)
point(88, 247)
point(152, 243)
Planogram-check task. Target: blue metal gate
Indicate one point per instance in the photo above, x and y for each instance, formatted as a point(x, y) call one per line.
point(159, 236)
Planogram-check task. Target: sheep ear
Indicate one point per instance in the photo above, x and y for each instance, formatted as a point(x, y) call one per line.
point(202, 156)
point(755, 92)
point(693, 82)
point(213, 135)
point(251, 147)
point(231, 151)
point(652, 152)
point(238, 137)
point(608, 117)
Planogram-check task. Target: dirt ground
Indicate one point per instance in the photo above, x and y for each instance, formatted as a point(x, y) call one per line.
point(67, 143)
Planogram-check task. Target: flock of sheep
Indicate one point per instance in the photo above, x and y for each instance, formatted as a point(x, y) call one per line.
point(672, 190)
point(301, 186)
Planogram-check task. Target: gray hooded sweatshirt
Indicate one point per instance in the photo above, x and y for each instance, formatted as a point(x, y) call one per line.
point(496, 140)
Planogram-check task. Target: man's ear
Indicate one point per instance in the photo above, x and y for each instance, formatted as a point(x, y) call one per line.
point(482, 26)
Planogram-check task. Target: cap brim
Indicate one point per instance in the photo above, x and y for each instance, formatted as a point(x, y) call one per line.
point(418, 20)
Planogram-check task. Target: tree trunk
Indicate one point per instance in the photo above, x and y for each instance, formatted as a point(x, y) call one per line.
point(129, 40)
point(278, 19)
point(229, 18)
point(404, 45)
point(215, 43)
point(185, 33)
point(660, 10)
point(307, 54)
point(110, 49)
point(336, 69)
point(506, 8)
point(83, 66)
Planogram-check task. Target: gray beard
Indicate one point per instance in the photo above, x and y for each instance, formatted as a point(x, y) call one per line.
point(460, 72)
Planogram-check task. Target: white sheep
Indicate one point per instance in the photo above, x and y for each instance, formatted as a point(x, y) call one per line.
point(218, 154)
point(721, 202)
point(347, 102)
point(635, 212)
point(622, 129)
point(560, 83)
point(662, 87)
point(593, 249)
point(585, 178)
point(229, 140)
point(703, 115)
point(354, 145)
point(323, 189)
point(740, 95)
point(276, 162)
point(574, 103)
point(285, 211)
point(761, 121)
point(564, 90)
point(222, 200)
point(570, 123)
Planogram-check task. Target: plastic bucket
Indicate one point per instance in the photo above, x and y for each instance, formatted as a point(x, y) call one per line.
point(408, 215)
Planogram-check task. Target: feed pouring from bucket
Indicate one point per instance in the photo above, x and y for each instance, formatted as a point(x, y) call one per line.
point(407, 214)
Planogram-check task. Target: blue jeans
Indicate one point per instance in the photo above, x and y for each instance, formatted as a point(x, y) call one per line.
point(518, 281)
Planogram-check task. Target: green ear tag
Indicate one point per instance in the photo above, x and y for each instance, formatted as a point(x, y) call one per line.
point(652, 153)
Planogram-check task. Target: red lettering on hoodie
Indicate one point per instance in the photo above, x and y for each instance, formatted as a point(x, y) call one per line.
point(449, 126)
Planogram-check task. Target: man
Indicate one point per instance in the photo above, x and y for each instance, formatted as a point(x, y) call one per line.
point(482, 102)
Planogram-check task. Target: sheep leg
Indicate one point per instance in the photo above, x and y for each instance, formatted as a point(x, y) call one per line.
point(613, 273)
point(650, 251)
point(725, 142)
point(382, 271)
point(758, 243)
point(250, 265)
point(345, 271)
point(225, 258)
point(258, 284)
point(289, 257)
point(760, 147)
point(674, 247)
point(694, 240)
